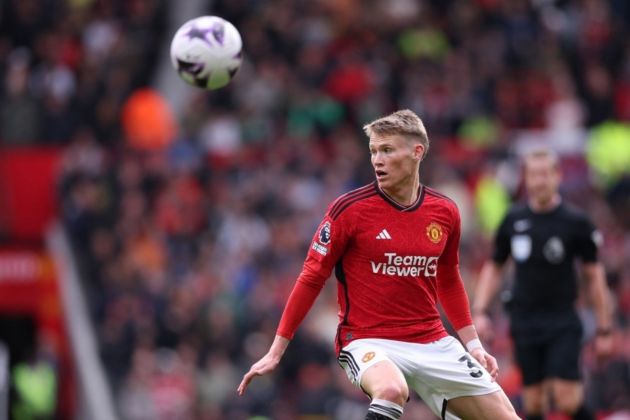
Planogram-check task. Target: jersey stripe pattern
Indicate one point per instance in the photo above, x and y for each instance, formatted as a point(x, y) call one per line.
point(350, 198)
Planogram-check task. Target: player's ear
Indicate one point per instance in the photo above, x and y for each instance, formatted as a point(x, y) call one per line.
point(418, 151)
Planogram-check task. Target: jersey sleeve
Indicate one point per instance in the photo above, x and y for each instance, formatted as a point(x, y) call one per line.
point(450, 255)
point(588, 240)
point(502, 242)
point(328, 245)
point(450, 287)
point(453, 298)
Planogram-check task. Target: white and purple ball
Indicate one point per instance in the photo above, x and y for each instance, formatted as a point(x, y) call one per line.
point(207, 52)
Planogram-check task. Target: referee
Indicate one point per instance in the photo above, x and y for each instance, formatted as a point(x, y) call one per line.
point(545, 237)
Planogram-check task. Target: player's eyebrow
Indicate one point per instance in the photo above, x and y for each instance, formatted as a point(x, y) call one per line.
point(380, 144)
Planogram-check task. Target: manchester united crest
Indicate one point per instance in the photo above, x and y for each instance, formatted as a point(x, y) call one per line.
point(368, 356)
point(434, 232)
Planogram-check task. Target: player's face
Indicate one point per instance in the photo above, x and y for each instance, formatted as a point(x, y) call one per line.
point(395, 160)
point(542, 178)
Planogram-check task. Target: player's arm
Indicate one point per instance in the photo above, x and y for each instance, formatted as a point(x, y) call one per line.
point(328, 244)
point(266, 364)
point(306, 289)
point(468, 335)
point(454, 301)
point(597, 289)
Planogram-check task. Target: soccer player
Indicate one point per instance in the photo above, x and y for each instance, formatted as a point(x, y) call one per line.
point(544, 238)
point(394, 247)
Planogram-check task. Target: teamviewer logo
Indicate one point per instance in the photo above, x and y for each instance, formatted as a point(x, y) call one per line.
point(406, 265)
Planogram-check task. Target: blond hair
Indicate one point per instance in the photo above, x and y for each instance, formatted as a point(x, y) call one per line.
point(538, 153)
point(403, 122)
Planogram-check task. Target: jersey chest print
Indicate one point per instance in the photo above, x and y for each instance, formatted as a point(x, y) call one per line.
point(397, 252)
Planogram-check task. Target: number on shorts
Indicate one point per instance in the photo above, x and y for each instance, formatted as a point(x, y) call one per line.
point(475, 372)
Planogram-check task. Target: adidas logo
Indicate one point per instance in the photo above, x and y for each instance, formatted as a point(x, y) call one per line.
point(383, 235)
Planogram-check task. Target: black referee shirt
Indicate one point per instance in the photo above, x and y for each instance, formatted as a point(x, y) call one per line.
point(544, 247)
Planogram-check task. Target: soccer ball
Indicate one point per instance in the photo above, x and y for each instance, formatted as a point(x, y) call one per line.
point(207, 52)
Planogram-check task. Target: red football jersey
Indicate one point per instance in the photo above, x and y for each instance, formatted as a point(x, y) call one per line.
point(393, 263)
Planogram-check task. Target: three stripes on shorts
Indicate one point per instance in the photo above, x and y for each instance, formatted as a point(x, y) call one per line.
point(384, 408)
point(348, 359)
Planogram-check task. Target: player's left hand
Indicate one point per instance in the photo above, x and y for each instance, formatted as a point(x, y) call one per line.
point(487, 361)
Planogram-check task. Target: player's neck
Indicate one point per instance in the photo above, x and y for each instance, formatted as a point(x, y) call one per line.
point(544, 206)
point(405, 195)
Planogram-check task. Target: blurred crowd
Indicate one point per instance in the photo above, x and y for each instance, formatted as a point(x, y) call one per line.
point(188, 251)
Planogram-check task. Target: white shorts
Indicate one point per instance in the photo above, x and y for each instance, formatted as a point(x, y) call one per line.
point(437, 371)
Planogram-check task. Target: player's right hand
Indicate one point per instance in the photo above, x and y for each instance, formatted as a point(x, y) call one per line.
point(265, 365)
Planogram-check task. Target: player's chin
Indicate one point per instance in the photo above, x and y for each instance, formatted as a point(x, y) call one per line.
point(382, 182)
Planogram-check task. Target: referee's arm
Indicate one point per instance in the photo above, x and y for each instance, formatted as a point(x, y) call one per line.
point(597, 289)
point(489, 280)
point(487, 286)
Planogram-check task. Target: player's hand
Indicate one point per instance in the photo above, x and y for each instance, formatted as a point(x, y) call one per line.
point(487, 361)
point(265, 365)
point(483, 325)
